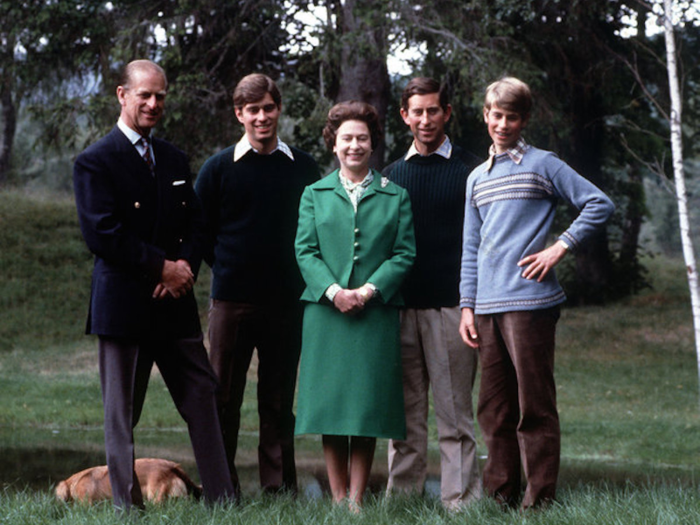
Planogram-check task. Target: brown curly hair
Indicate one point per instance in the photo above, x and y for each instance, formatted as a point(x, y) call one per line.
point(352, 110)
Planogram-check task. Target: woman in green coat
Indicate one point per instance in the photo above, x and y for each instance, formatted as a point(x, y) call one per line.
point(354, 246)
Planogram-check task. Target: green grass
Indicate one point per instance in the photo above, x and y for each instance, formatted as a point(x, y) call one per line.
point(45, 271)
point(659, 505)
point(626, 375)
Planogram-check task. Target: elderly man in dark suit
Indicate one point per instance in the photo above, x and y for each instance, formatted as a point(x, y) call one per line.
point(140, 218)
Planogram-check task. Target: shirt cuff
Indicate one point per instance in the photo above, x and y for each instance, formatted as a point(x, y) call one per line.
point(332, 290)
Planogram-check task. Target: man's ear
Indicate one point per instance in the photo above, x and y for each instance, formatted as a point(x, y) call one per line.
point(448, 112)
point(404, 116)
point(239, 114)
point(120, 95)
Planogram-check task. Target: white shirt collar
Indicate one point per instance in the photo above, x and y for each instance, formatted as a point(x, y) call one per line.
point(445, 150)
point(244, 146)
point(132, 135)
point(135, 138)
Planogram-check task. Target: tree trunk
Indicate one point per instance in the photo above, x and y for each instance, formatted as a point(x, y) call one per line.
point(593, 262)
point(363, 73)
point(593, 268)
point(679, 174)
point(9, 127)
point(631, 228)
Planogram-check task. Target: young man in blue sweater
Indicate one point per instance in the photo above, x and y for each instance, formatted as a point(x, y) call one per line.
point(510, 295)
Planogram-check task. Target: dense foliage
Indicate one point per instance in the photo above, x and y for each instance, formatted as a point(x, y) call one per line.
point(591, 65)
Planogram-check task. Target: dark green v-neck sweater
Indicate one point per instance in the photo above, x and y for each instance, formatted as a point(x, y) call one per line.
point(437, 188)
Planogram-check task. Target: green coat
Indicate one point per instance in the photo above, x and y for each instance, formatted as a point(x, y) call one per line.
point(350, 373)
point(333, 244)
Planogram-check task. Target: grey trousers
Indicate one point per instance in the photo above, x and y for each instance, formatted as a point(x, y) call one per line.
point(125, 368)
point(434, 356)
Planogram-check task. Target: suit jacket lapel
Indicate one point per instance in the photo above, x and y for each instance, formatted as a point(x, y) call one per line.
point(372, 189)
point(332, 182)
point(378, 186)
point(129, 155)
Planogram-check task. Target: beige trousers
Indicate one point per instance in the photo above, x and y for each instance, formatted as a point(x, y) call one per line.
point(434, 356)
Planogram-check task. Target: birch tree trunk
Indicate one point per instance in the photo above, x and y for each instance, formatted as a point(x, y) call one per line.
point(678, 173)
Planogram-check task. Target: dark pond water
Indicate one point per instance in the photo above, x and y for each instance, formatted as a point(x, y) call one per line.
point(36, 460)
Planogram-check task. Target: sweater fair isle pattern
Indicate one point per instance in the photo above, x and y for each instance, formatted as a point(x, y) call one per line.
point(436, 186)
point(509, 212)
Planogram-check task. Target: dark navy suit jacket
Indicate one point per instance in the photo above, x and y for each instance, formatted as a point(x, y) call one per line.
point(133, 221)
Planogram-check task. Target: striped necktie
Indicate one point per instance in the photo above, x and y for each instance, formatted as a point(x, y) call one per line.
point(147, 155)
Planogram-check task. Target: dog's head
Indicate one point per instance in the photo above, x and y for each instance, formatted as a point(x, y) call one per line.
point(63, 492)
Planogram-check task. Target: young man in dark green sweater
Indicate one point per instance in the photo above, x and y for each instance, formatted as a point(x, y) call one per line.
point(250, 195)
point(435, 171)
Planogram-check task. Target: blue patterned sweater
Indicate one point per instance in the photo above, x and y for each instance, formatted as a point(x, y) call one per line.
point(509, 212)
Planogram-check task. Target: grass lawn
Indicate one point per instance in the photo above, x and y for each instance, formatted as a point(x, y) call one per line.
point(627, 385)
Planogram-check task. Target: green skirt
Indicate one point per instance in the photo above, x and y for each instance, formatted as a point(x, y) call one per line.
point(350, 373)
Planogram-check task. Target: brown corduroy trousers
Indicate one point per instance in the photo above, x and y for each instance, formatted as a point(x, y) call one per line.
point(517, 410)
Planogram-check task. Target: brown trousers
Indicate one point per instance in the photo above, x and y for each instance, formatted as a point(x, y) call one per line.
point(235, 330)
point(517, 409)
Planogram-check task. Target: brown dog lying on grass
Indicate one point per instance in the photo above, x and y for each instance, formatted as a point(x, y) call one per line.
point(159, 479)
